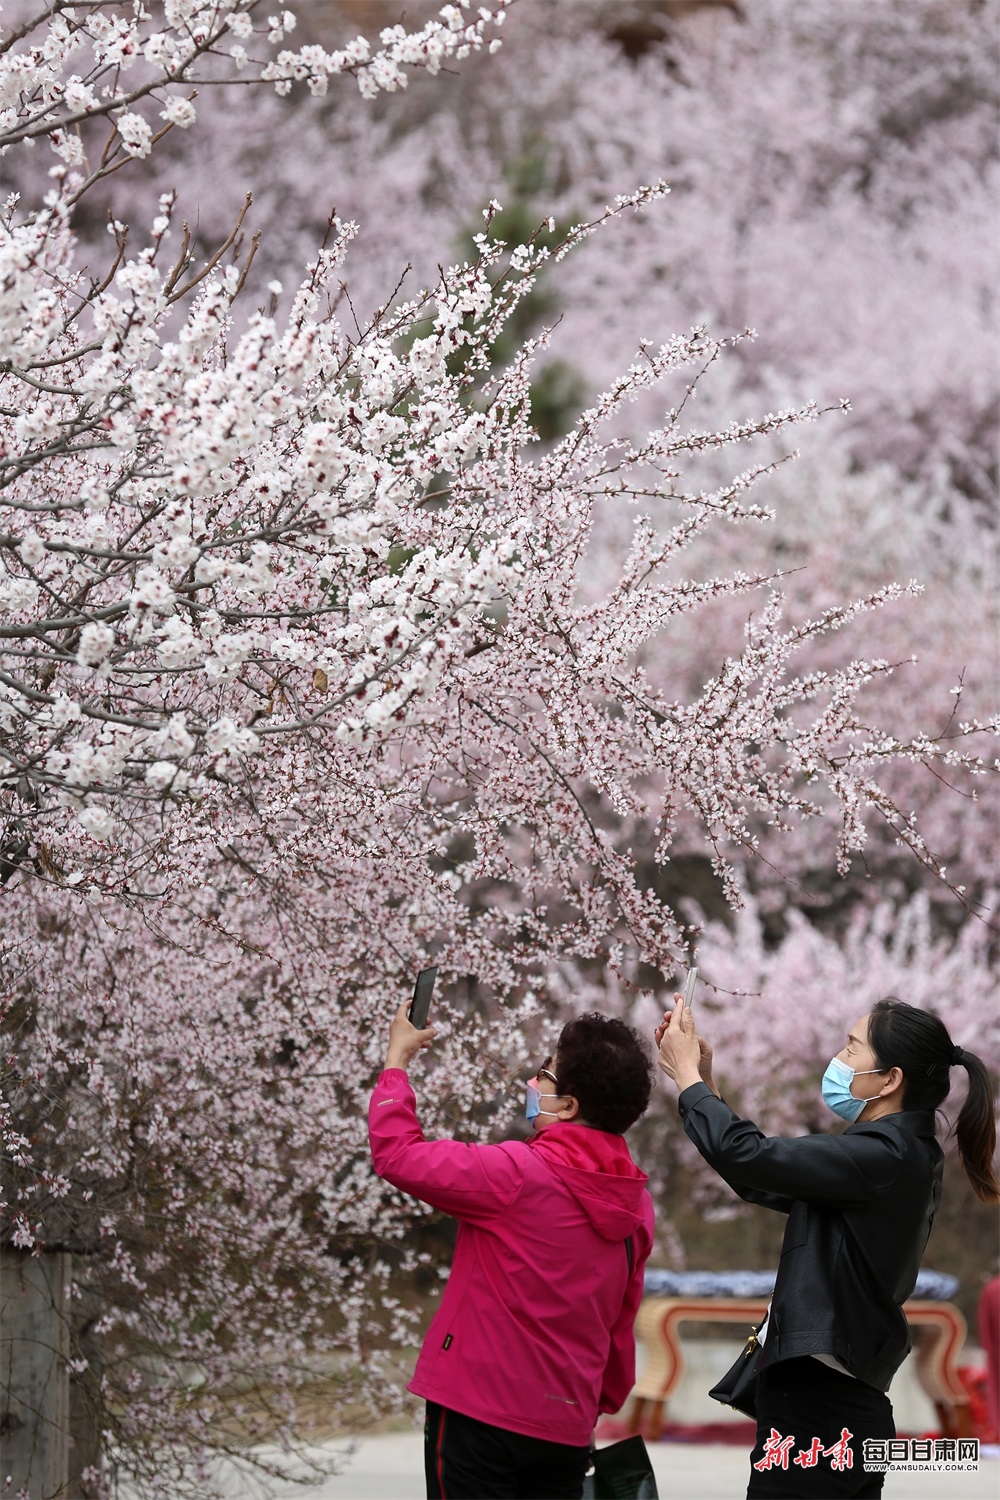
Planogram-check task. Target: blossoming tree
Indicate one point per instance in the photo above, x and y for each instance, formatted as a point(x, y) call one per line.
point(305, 677)
point(818, 161)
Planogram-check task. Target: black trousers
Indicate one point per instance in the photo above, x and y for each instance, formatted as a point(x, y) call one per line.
point(469, 1460)
point(827, 1415)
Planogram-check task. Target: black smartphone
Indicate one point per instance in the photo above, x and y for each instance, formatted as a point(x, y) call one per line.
point(422, 992)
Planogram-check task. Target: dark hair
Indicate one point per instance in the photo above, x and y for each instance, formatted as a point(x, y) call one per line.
point(607, 1068)
point(917, 1042)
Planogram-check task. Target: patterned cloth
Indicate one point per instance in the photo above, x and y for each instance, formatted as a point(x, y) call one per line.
point(932, 1286)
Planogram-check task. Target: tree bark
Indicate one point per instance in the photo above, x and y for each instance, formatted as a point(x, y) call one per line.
point(34, 1372)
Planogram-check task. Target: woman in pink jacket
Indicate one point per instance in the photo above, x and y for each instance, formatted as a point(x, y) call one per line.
point(533, 1337)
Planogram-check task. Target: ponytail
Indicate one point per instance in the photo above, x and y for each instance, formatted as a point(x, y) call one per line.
point(976, 1131)
point(917, 1042)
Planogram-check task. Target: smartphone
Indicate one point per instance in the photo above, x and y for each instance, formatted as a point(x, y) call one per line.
point(422, 993)
point(692, 980)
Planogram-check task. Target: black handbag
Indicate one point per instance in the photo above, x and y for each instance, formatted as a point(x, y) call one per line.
point(738, 1387)
point(621, 1471)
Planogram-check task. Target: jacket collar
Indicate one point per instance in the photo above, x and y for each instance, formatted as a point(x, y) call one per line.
point(913, 1121)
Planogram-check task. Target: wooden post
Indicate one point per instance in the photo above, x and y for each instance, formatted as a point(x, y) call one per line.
point(34, 1372)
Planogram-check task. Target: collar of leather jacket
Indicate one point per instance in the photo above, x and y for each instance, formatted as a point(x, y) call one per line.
point(916, 1121)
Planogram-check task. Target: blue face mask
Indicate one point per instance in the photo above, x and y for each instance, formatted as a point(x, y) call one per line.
point(836, 1088)
point(533, 1108)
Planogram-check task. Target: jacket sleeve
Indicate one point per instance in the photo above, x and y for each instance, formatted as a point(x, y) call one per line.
point(470, 1182)
point(776, 1201)
point(777, 1170)
point(619, 1372)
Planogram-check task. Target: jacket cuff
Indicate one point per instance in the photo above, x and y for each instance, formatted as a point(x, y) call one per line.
point(691, 1096)
point(392, 1075)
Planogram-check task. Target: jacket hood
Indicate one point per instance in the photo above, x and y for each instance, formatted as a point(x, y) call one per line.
point(597, 1169)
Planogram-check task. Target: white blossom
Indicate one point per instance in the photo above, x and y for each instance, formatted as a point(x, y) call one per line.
point(178, 111)
point(135, 133)
point(97, 821)
point(96, 640)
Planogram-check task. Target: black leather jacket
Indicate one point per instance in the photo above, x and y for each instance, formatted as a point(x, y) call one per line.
point(860, 1208)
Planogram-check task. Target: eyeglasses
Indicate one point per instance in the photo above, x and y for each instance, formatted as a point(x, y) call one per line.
point(546, 1072)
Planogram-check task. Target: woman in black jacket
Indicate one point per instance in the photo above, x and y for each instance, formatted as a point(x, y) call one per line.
point(860, 1208)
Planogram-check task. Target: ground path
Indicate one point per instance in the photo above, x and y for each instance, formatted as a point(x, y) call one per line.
point(390, 1467)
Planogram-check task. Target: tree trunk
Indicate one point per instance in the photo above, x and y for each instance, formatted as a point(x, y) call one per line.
point(34, 1372)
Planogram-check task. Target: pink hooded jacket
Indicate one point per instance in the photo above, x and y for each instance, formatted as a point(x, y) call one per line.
point(534, 1332)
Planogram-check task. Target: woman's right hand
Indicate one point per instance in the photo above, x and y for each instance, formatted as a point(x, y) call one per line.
point(405, 1041)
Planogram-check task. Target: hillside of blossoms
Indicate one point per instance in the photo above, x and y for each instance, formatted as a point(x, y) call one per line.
point(512, 490)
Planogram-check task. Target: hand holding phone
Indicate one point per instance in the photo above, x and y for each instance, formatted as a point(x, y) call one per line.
point(688, 992)
point(704, 1048)
point(423, 992)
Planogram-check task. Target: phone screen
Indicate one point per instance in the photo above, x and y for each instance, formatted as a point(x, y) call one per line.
point(422, 992)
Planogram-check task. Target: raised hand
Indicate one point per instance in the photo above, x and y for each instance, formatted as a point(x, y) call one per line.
point(405, 1041)
point(683, 1055)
